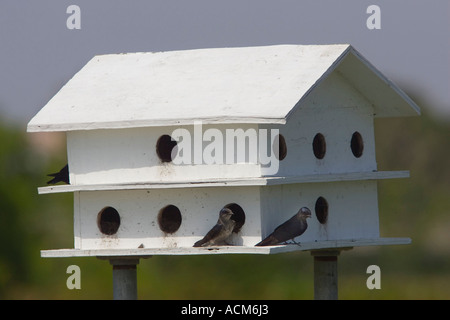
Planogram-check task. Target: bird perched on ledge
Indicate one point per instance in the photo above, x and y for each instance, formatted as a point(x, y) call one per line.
point(220, 232)
point(290, 229)
point(61, 176)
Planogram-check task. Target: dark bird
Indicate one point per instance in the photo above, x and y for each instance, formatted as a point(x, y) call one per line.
point(61, 176)
point(290, 229)
point(220, 232)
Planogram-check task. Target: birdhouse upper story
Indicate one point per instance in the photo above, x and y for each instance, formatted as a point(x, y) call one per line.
point(222, 114)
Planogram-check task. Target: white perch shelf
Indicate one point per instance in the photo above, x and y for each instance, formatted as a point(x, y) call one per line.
point(145, 252)
point(257, 181)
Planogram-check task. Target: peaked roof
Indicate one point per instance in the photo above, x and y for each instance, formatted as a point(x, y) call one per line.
point(224, 85)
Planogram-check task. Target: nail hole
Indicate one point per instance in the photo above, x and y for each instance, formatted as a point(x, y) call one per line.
point(108, 220)
point(238, 216)
point(319, 146)
point(321, 209)
point(164, 148)
point(169, 219)
point(357, 144)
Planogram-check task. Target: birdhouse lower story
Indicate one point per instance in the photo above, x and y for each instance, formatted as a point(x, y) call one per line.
point(178, 217)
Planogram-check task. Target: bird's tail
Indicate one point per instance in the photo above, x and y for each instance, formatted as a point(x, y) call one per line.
point(55, 178)
point(269, 241)
point(199, 243)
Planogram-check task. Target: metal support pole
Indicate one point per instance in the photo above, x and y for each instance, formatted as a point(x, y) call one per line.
point(124, 278)
point(325, 274)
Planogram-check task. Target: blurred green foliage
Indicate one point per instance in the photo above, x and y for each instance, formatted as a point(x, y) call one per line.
point(418, 207)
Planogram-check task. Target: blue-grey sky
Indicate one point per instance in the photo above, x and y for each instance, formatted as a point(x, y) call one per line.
point(39, 54)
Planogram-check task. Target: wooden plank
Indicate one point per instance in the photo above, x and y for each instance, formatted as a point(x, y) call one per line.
point(257, 181)
point(332, 177)
point(145, 252)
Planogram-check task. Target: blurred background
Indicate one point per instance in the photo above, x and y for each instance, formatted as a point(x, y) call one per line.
point(39, 55)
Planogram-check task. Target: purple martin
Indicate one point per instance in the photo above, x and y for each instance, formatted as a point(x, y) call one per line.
point(61, 176)
point(220, 232)
point(290, 229)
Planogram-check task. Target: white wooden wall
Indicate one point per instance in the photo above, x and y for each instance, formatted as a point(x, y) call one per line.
point(139, 210)
point(352, 213)
point(335, 110)
point(352, 209)
point(129, 156)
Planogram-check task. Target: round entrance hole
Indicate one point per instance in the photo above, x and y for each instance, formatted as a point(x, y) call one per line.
point(164, 148)
point(238, 216)
point(108, 221)
point(279, 142)
point(169, 219)
point(356, 144)
point(319, 146)
point(321, 209)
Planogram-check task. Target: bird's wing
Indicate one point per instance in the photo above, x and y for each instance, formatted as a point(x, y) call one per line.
point(288, 230)
point(213, 233)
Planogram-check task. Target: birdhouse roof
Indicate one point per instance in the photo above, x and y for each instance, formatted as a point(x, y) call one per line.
point(223, 85)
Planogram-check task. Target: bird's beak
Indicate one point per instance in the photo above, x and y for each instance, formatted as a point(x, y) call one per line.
point(307, 213)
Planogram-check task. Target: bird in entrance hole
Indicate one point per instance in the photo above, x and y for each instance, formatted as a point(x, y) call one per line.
point(61, 176)
point(220, 232)
point(290, 229)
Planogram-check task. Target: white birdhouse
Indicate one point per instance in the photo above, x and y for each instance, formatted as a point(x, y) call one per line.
point(159, 143)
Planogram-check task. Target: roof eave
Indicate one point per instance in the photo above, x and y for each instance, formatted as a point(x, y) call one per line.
point(386, 97)
point(150, 123)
